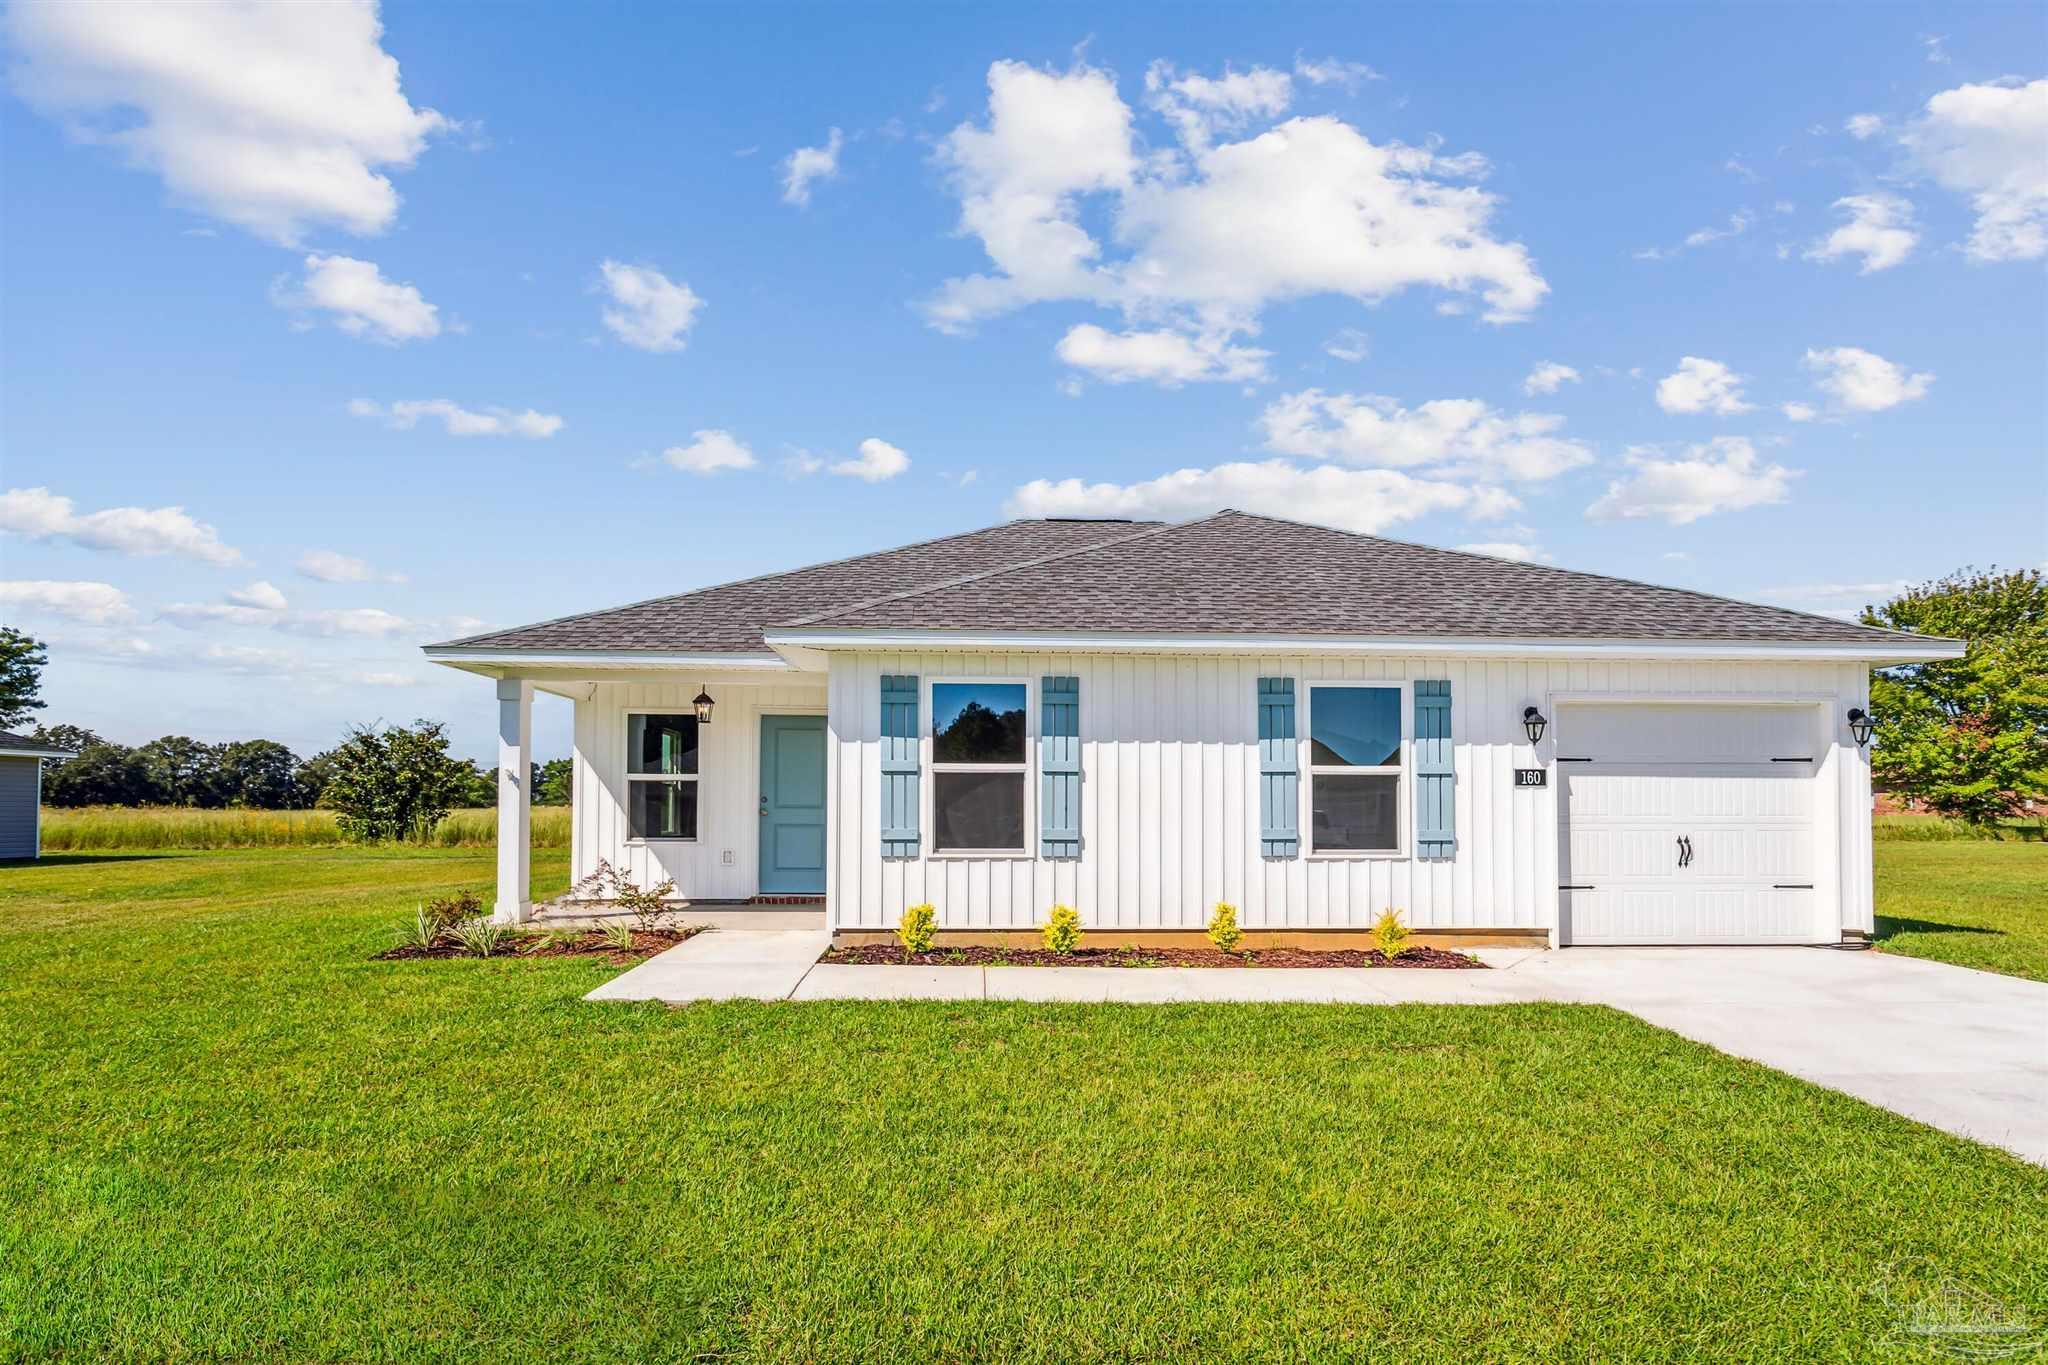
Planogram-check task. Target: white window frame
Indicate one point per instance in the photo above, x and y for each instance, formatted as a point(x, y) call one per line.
point(626, 714)
point(927, 751)
point(1400, 770)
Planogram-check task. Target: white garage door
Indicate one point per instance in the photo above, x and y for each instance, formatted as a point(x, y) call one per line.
point(1687, 824)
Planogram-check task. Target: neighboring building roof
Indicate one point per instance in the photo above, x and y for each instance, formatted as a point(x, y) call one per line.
point(728, 618)
point(21, 746)
point(1232, 573)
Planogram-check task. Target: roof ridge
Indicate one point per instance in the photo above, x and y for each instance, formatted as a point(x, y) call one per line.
point(1155, 529)
point(738, 582)
point(1523, 564)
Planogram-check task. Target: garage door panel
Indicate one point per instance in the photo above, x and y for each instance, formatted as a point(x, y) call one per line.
point(1680, 828)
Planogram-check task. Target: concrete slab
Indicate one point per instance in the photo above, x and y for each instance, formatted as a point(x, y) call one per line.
point(722, 964)
point(840, 981)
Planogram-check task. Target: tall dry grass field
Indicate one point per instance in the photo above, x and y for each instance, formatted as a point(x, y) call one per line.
point(101, 828)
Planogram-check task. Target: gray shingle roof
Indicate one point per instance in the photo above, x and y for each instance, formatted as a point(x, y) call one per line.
point(24, 744)
point(1238, 573)
point(1230, 573)
point(727, 619)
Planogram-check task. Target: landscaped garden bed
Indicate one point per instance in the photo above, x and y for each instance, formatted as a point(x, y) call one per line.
point(457, 926)
point(619, 950)
point(894, 955)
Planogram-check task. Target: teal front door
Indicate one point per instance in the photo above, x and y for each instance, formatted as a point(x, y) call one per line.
point(792, 805)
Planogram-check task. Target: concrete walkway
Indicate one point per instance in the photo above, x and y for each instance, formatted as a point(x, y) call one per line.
point(1961, 1050)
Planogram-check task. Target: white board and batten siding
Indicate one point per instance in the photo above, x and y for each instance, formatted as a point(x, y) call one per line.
point(1170, 806)
point(21, 794)
point(722, 863)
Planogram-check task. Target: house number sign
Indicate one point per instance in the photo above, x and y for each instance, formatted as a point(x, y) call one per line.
point(1532, 777)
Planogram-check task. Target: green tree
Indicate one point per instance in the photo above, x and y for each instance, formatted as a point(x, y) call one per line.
point(75, 738)
point(258, 773)
point(21, 677)
point(309, 781)
point(101, 775)
point(555, 784)
point(393, 783)
point(1969, 736)
point(475, 785)
point(187, 771)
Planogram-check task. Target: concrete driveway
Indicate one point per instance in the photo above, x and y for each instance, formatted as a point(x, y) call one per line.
point(1963, 1051)
point(1960, 1050)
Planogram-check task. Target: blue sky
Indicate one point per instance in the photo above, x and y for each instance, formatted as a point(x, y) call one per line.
point(1536, 280)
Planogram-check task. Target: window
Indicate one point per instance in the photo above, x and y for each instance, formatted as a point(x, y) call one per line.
point(661, 776)
point(978, 766)
point(1354, 764)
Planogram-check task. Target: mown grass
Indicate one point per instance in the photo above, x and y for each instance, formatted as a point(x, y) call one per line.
point(1982, 905)
point(225, 1133)
point(108, 828)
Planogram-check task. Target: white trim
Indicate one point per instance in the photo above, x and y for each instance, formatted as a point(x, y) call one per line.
point(1027, 770)
point(626, 713)
point(37, 753)
point(473, 657)
point(1400, 770)
point(1104, 641)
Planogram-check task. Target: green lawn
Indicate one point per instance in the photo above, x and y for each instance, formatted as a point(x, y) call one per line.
point(1976, 904)
point(225, 1133)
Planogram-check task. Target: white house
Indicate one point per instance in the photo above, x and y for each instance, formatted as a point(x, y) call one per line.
point(1141, 720)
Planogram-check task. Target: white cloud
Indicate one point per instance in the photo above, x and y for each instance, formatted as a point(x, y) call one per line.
point(1991, 143)
point(363, 303)
point(1880, 230)
point(1863, 127)
point(1522, 552)
point(1330, 71)
point(1461, 437)
point(1859, 381)
point(277, 118)
point(649, 310)
point(1738, 223)
point(383, 679)
point(1367, 500)
point(100, 604)
point(331, 566)
point(1208, 236)
point(261, 594)
point(709, 451)
point(1166, 358)
point(1199, 107)
point(1721, 475)
point(1548, 377)
point(1349, 344)
point(39, 514)
point(369, 622)
point(460, 421)
point(192, 615)
point(1800, 412)
point(1699, 385)
point(878, 461)
point(807, 164)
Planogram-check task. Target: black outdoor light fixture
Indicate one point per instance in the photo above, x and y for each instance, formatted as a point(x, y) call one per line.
point(702, 701)
point(1533, 722)
point(1861, 723)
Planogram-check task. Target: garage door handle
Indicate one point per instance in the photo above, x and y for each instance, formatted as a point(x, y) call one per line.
point(1684, 851)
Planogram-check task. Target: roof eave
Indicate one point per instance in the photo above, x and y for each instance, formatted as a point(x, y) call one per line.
point(810, 639)
point(498, 661)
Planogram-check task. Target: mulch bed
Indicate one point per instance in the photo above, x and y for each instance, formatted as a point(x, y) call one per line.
point(893, 955)
point(587, 943)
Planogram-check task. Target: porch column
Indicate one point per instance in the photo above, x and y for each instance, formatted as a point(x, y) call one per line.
point(515, 802)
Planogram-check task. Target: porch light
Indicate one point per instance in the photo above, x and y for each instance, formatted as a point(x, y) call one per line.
point(1533, 722)
point(702, 701)
point(1861, 723)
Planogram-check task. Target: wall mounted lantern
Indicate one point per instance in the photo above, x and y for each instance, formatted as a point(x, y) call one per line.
point(702, 701)
point(1533, 722)
point(1861, 723)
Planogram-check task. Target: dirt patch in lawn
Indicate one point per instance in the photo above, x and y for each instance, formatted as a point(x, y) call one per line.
point(892, 955)
point(646, 943)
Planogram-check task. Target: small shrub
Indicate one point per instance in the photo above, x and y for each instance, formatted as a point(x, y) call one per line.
point(481, 937)
point(645, 906)
point(1391, 934)
point(917, 929)
point(419, 932)
point(1062, 932)
point(1223, 930)
point(618, 934)
point(445, 912)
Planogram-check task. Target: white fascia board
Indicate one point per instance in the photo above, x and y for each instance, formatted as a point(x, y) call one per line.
point(1088, 642)
point(499, 662)
point(37, 753)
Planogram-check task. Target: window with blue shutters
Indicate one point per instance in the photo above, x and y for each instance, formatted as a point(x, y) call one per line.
point(1279, 771)
point(1059, 767)
point(899, 795)
point(1436, 782)
point(1354, 768)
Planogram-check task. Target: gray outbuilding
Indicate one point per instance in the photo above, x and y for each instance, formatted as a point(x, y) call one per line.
point(21, 794)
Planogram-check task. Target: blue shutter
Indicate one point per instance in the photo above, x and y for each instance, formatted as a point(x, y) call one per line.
point(899, 766)
point(1279, 773)
point(1059, 767)
point(1436, 818)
